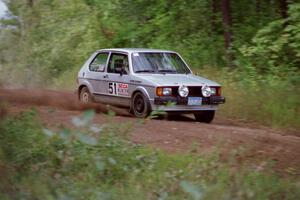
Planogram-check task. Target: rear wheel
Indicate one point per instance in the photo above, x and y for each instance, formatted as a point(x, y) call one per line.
point(206, 116)
point(85, 95)
point(139, 105)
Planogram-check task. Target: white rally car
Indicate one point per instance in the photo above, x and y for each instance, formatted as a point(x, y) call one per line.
point(145, 80)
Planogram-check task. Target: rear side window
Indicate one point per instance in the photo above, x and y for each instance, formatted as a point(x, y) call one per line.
point(99, 62)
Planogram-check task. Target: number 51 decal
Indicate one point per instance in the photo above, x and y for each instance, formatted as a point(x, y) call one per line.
point(112, 88)
point(118, 89)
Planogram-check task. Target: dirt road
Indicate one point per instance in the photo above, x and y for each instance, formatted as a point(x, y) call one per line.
point(247, 144)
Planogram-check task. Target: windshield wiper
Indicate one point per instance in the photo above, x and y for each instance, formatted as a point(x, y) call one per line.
point(144, 71)
point(167, 70)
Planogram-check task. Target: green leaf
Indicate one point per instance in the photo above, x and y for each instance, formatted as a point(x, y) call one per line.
point(86, 118)
point(64, 134)
point(48, 132)
point(157, 113)
point(100, 164)
point(86, 139)
point(76, 121)
point(95, 129)
point(112, 161)
point(89, 115)
point(191, 189)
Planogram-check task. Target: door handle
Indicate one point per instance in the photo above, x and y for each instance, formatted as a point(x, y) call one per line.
point(105, 76)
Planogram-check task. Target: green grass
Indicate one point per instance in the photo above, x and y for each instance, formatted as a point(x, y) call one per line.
point(101, 163)
point(251, 97)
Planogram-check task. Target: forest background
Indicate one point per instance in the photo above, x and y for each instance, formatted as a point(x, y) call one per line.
point(251, 47)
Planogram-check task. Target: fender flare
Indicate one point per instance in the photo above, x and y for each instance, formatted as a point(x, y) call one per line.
point(144, 92)
point(85, 84)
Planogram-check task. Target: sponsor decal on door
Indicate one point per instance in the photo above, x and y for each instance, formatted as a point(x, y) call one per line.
point(119, 89)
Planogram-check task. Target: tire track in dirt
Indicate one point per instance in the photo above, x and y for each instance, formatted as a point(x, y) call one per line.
point(247, 144)
point(61, 99)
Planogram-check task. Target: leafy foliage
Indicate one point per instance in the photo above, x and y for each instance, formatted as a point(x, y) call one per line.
point(56, 37)
point(37, 163)
point(275, 48)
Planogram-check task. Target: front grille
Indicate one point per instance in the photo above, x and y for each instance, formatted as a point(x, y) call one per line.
point(194, 91)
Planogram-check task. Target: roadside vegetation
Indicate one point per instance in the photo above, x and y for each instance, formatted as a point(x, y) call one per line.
point(99, 162)
point(262, 99)
point(251, 48)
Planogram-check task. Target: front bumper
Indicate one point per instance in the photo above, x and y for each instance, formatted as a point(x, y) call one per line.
point(184, 108)
point(213, 100)
point(179, 104)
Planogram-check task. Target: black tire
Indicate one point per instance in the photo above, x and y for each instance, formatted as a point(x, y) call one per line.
point(85, 96)
point(205, 116)
point(140, 106)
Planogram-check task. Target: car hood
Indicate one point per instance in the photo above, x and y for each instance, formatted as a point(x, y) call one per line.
point(177, 79)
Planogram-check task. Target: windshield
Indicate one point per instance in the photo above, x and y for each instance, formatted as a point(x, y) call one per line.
point(158, 63)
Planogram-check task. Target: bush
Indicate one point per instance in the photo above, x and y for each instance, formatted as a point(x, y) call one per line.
point(100, 163)
point(275, 48)
point(251, 97)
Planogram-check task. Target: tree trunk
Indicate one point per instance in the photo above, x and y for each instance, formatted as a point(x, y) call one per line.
point(283, 7)
point(213, 16)
point(30, 3)
point(227, 30)
point(258, 10)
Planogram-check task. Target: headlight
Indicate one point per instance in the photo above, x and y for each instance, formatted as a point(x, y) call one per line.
point(213, 91)
point(183, 91)
point(167, 91)
point(206, 91)
point(160, 91)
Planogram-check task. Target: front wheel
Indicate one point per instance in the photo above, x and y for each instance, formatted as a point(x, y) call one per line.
point(206, 116)
point(139, 105)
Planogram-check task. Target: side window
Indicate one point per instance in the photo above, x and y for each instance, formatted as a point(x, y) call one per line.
point(99, 62)
point(117, 60)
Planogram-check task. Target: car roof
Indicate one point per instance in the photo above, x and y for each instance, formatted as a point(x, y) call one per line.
point(132, 50)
